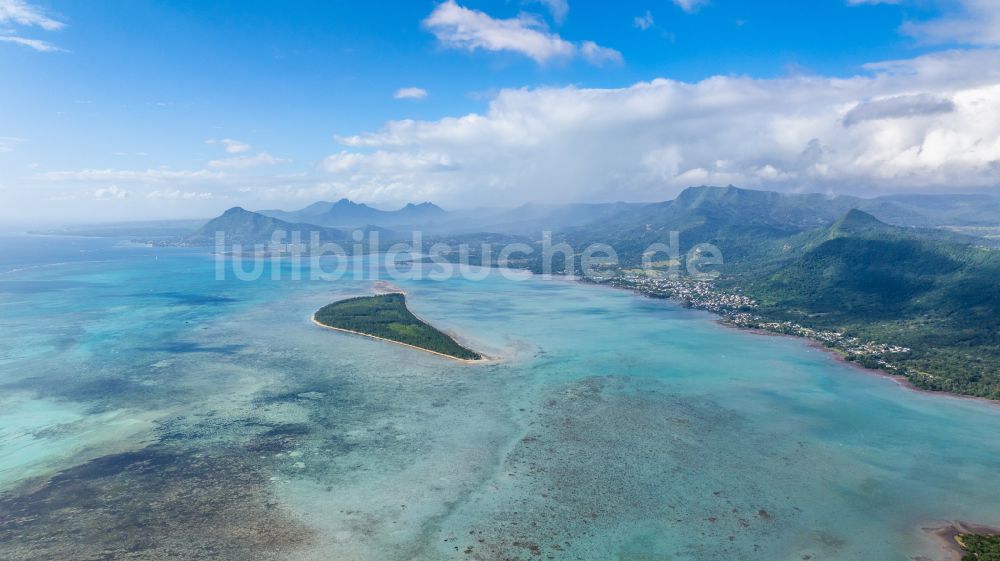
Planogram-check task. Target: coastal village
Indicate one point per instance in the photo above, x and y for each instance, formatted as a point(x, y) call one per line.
point(738, 310)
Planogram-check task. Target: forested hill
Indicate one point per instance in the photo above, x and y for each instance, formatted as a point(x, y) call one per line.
point(937, 297)
point(746, 224)
point(809, 262)
point(245, 227)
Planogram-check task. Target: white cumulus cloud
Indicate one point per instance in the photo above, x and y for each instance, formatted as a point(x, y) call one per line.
point(36, 44)
point(926, 123)
point(977, 22)
point(109, 193)
point(644, 21)
point(970, 22)
point(898, 107)
point(410, 93)
point(230, 145)
point(458, 27)
point(690, 6)
point(235, 146)
point(21, 13)
point(242, 162)
point(598, 55)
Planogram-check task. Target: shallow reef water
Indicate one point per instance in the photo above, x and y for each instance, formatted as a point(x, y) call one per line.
point(151, 411)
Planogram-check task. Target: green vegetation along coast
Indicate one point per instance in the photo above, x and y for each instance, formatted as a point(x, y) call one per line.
point(386, 316)
point(978, 547)
point(906, 285)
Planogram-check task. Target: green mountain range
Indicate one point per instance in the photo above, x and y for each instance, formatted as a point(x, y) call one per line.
point(935, 295)
point(880, 270)
point(744, 223)
point(240, 226)
point(245, 227)
point(825, 265)
point(348, 214)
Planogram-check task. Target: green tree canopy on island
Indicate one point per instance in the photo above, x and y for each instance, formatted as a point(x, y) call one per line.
point(387, 316)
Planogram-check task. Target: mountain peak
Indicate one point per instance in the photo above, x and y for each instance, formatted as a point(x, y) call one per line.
point(694, 196)
point(426, 205)
point(348, 203)
point(858, 221)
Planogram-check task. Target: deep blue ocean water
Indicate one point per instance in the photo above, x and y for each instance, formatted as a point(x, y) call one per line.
point(613, 427)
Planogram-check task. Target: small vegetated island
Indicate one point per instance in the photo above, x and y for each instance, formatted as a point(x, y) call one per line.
point(386, 316)
point(980, 547)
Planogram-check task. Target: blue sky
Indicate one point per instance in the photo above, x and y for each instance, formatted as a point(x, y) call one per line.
point(121, 109)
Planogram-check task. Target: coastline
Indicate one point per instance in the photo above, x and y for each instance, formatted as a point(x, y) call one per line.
point(484, 360)
point(902, 381)
point(945, 534)
point(946, 537)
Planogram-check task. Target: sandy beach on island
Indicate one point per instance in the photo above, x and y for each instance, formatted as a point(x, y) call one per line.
point(380, 287)
point(484, 360)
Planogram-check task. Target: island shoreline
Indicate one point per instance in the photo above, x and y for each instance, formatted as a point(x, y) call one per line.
point(946, 534)
point(484, 360)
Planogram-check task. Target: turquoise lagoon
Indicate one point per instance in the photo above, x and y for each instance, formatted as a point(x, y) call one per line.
point(151, 411)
